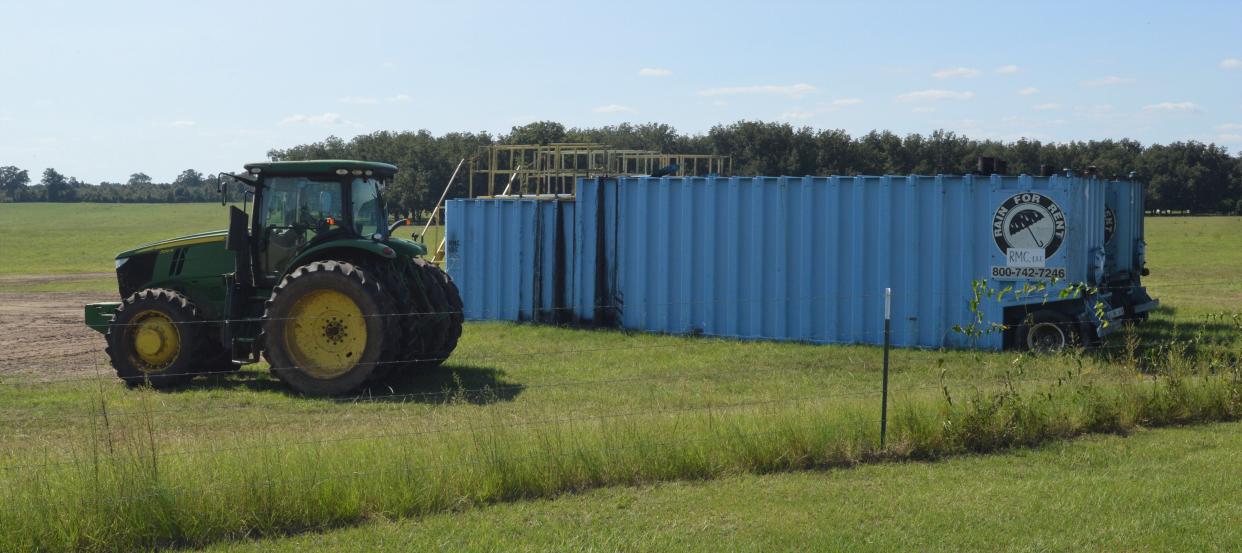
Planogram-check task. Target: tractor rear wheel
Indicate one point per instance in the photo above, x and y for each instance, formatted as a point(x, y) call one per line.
point(455, 317)
point(327, 326)
point(156, 338)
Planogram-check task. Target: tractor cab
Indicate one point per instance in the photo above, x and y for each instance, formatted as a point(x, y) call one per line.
point(299, 205)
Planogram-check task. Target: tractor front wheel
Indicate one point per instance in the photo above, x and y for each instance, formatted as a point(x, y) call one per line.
point(156, 338)
point(328, 326)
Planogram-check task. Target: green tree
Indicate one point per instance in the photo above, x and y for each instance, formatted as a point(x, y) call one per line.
point(55, 185)
point(13, 182)
point(139, 179)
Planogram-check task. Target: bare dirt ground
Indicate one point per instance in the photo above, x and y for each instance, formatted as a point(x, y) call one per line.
point(43, 337)
point(42, 279)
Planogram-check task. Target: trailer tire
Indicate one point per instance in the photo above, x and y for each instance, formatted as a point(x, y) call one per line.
point(1048, 331)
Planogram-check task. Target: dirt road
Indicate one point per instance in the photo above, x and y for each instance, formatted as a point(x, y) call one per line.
point(42, 336)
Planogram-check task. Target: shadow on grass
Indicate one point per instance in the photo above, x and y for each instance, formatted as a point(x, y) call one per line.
point(447, 384)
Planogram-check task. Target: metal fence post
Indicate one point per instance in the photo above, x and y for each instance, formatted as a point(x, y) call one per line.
point(888, 317)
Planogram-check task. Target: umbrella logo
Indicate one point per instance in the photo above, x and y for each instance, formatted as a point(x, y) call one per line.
point(1029, 220)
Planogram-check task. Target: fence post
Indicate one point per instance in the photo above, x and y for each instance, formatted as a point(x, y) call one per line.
point(888, 316)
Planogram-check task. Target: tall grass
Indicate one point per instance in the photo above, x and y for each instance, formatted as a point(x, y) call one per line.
point(121, 493)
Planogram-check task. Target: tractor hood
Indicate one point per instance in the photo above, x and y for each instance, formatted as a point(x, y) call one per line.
point(179, 242)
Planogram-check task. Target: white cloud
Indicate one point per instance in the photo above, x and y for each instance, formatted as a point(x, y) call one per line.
point(838, 104)
point(934, 94)
point(1229, 137)
point(719, 103)
point(323, 119)
point(654, 72)
point(615, 108)
point(793, 90)
point(1007, 69)
point(1230, 127)
point(924, 109)
point(1045, 107)
point(1172, 106)
point(797, 115)
point(1231, 63)
point(1111, 80)
point(1028, 91)
point(956, 72)
point(399, 98)
point(181, 123)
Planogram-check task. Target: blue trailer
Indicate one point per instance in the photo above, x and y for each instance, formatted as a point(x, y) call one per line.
point(972, 261)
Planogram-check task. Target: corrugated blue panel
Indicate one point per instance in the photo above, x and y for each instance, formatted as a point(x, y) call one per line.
point(509, 257)
point(809, 258)
point(785, 258)
point(1125, 210)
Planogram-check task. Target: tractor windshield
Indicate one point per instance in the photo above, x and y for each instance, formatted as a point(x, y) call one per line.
point(369, 217)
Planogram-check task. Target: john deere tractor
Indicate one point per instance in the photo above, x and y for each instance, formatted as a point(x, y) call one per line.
point(312, 280)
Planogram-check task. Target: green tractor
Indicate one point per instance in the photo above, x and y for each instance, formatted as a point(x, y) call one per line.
point(312, 280)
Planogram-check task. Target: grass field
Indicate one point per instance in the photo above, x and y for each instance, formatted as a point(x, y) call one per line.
point(524, 411)
point(1160, 490)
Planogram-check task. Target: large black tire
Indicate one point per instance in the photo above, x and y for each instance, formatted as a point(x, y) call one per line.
point(158, 338)
point(1047, 331)
point(456, 316)
point(444, 329)
point(328, 325)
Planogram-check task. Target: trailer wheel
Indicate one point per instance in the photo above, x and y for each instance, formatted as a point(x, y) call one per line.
point(1047, 331)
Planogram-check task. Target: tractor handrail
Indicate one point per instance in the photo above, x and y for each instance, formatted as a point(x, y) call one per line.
point(440, 203)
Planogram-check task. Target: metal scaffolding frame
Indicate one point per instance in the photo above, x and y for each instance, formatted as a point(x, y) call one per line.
point(533, 169)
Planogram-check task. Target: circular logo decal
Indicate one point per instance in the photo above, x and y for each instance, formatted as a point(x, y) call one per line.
point(1110, 224)
point(1029, 220)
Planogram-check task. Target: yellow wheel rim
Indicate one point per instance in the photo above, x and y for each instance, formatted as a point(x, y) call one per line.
point(326, 334)
point(156, 341)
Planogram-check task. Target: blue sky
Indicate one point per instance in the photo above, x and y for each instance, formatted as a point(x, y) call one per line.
point(101, 90)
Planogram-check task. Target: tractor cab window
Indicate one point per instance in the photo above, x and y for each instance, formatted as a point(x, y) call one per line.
point(294, 210)
point(369, 217)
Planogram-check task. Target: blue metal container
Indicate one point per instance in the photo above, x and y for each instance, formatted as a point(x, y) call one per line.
point(798, 258)
point(1125, 247)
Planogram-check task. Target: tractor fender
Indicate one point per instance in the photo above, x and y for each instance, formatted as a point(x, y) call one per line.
point(352, 246)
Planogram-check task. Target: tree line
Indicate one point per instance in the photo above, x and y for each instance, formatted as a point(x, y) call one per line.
point(189, 186)
point(1193, 176)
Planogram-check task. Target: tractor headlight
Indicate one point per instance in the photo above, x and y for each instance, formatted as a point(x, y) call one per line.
point(121, 261)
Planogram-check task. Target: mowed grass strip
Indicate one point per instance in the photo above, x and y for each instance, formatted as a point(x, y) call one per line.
point(1171, 489)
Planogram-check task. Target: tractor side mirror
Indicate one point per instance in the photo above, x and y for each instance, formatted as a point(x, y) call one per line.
point(238, 231)
point(398, 224)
